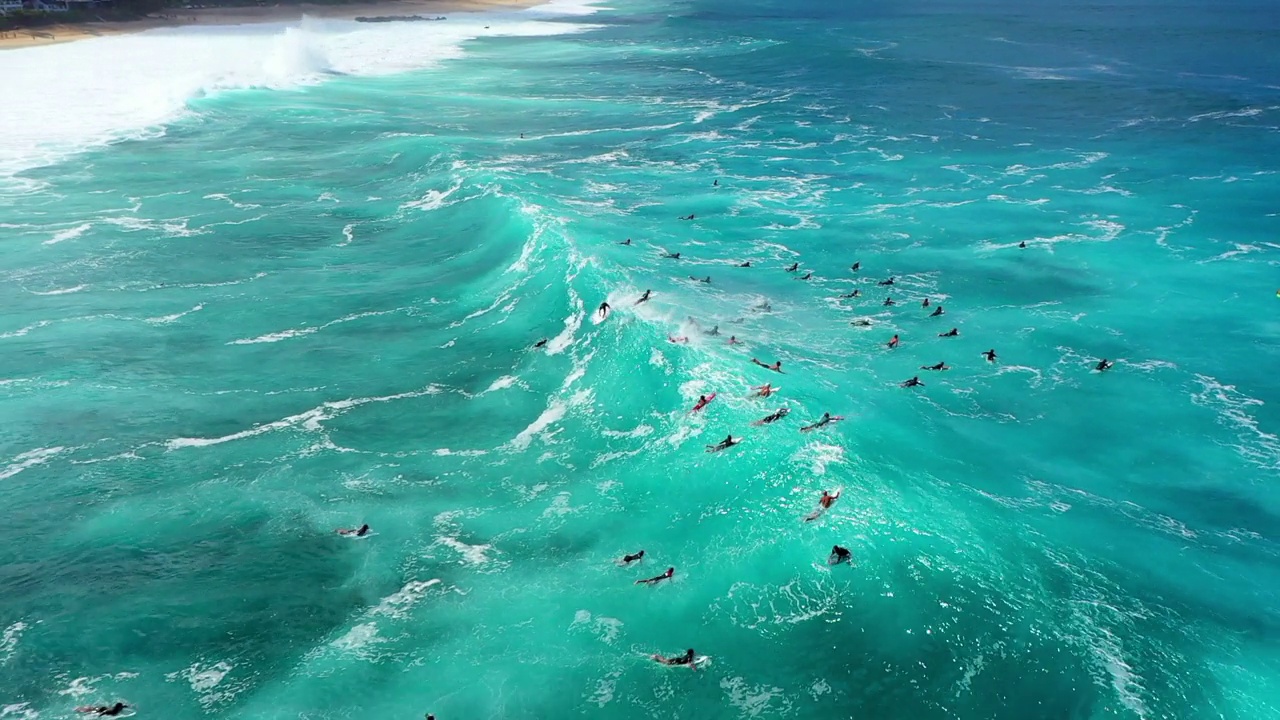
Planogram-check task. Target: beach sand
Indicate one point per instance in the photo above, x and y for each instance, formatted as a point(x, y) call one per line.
point(176, 17)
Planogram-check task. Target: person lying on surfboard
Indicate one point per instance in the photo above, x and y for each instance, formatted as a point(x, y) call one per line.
point(824, 503)
point(685, 659)
point(781, 413)
point(103, 709)
point(703, 401)
point(364, 530)
point(827, 419)
point(628, 559)
point(776, 367)
point(723, 444)
point(659, 578)
point(764, 390)
point(678, 340)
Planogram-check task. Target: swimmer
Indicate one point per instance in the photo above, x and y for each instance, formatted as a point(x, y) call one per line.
point(364, 530)
point(913, 382)
point(827, 419)
point(645, 297)
point(745, 264)
point(990, 355)
point(925, 304)
point(776, 367)
point(703, 401)
point(658, 578)
point(685, 659)
point(628, 559)
point(824, 502)
point(541, 343)
point(713, 331)
point(886, 282)
point(939, 366)
point(625, 242)
point(715, 183)
point(893, 342)
point(103, 709)
point(763, 307)
point(861, 322)
point(807, 276)
point(1023, 244)
point(724, 444)
point(671, 256)
point(937, 311)
point(764, 390)
point(856, 266)
point(733, 340)
point(603, 310)
point(839, 555)
point(678, 340)
point(854, 294)
point(774, 417)
point(953, 332)
point(794, 267)
point(690, 216)
point(706, 280)
point(1103, 365)
point(889, 301)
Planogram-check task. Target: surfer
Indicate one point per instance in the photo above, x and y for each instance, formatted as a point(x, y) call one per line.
point(541, 343)
point(939, 366)
point(937, 311)
point(645, 297)
point(990, 355)
point(745, 264)
point(625, 242)
point(1023, 244)
point(733, 340)
point(764, 390)
point(781, 413)
point(1103, 365)
point(737, 321)
point(886, 282)
point(889, 301)
point(925, 304)
point(715, 183)
point(776, 367)
point(628, 559)
point(103, 709)
point(827, 419)
point(807, 276)
point(364, 530)
point(685, 659)
point(856, 266)
point(824, 502)
point(913, 382)
point(854, 294)
point(658, 578)
point(678, 340)
point(861, 322)
point(706, 280)
point(794, 267)
point(838, 555)
point(671, 256)
point(893, 342)
point(690, 216)
point(712, 332)
point(763, 307)
point(953, 332)
point(603, 310)
point(703, 400)
point(724, 444)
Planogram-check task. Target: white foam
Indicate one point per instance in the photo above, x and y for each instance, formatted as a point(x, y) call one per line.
point(68, 234)
point(165, 319)
point(554, 412)
point(61, 291)
point(119, 91)
point(29, 459)
point(501, 383)
point(9, 640)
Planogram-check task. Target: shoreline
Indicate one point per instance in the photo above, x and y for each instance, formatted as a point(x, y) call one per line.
point(251, 15)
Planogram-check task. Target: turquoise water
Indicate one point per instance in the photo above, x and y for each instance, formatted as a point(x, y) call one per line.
point(295, 309)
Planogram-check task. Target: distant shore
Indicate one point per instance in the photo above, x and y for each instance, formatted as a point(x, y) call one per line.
point(177, 17)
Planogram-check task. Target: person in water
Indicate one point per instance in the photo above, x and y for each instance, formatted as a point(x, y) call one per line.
point(658, 578)
point(690, 216)
point(925, 304)
point(703, 400)
point(364, 530)
point(839, 555)
point(724, 444)
point(541, 343)
point(856, 266)
point(893, 342)
point(628, 559)
point(733, 340)
point(745, 264)
point(794, 267)
point(625, 242)
point(603, 309)
point(1103, 365)
point(889, 301)
point(764, 390)
point(886, 282)
point(939, 366)
point(671, 256)
point(990, 355)
point(953, 332)
point(678, 340)
point(713, 331)
point(645, 297)
point(776, 367)
point(861, 322)
point(764, 307)
point(715, 183)
point(827, 419)
point(937, 311)
point(774, 417)
point(807, 276)
point(824, 503)
point(103, 709)
point(1023, 244)
point(913, 382)
point(854, 294)
point(706, 279)
point(686, 659)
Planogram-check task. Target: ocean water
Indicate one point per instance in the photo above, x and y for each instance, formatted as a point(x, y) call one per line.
point(262, 283)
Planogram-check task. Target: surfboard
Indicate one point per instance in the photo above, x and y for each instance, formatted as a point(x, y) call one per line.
point(710, 397)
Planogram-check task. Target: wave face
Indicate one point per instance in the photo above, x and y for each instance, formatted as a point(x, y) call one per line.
point(290, 279)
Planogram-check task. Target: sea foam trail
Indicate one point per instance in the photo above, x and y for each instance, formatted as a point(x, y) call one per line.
point(62, 113)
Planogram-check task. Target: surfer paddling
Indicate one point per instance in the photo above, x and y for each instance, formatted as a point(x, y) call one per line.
point(771, 418)
point(839, 555)
point(1104, 365)
point(703, 401)
point(658, 578)
point(628, 559)
point(764, 390)
point(103, 710)
point(686, 659)
point(776, 367)
point(603, 310)
point(645, 297)
point(364, 530)
point(827, 419)
point(724, 444)
point(824, 503)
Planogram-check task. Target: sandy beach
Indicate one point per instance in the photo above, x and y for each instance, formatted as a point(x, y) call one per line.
point(53, 34)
